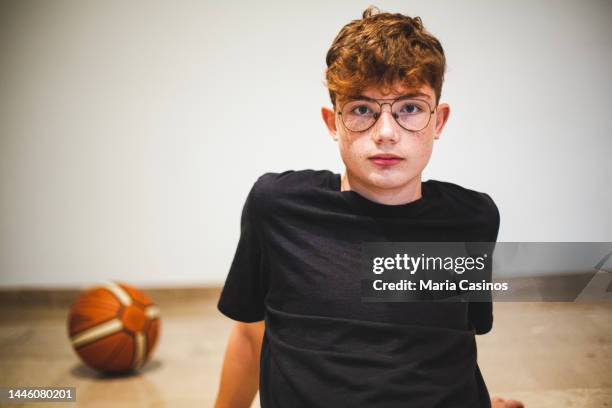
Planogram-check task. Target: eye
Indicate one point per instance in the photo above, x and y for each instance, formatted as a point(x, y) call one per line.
point(411, 108)
point(361, 110)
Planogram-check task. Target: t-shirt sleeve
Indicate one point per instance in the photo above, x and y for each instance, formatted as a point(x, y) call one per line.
point(495, 219)
point(242, 296)
point(480, 314)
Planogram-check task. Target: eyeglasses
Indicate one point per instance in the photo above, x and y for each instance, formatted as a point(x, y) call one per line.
point(359, 115)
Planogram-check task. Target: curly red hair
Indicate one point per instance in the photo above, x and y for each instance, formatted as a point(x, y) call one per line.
point(381, 50)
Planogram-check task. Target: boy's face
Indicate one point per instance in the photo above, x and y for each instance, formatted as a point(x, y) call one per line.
point(386, 136)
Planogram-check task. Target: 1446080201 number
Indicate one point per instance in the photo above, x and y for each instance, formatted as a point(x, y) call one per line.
point(38, 394)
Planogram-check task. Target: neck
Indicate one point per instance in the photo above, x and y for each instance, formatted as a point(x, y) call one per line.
point(404, 194)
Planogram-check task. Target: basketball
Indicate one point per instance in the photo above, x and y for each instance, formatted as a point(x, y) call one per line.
point(114, 327)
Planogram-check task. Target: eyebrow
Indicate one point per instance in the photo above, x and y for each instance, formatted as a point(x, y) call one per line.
point(405, 96)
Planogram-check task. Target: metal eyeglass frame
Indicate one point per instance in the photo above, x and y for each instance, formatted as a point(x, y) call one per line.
point(377, 115)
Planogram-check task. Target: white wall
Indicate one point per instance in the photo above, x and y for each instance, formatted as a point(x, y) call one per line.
point(131, 131)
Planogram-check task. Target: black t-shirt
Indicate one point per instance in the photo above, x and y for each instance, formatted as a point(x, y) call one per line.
point(297, 267)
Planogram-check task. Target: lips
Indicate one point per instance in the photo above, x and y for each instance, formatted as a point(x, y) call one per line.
point(385, 159)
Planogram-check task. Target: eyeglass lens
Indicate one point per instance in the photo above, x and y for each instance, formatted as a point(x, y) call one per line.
point(411, 114)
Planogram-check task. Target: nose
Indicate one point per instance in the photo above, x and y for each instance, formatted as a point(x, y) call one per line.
point(386, 127)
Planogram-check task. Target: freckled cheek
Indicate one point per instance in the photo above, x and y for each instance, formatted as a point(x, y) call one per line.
point(418, 146)
point(355, 149)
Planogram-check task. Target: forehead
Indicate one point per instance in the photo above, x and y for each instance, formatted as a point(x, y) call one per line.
point(423, 92)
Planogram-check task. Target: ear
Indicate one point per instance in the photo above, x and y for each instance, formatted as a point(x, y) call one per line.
point(442, 114)
point(329, 117)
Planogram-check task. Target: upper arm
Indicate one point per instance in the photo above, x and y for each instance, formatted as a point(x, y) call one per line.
point(251, 332)
point(242, 297)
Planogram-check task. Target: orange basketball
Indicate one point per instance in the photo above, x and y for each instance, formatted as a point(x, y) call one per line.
point(113, 327)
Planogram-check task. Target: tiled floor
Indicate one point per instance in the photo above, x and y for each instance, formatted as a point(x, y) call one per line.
point(546, 354)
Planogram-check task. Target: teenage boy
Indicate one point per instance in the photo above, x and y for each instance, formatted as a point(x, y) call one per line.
point(303, 336)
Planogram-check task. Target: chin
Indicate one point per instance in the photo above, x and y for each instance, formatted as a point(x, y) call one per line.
point(388, 179)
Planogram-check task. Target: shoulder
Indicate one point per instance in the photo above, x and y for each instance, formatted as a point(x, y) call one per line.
point(272, 187)
point(466, 200)
point(462, 194)
point(288, 181)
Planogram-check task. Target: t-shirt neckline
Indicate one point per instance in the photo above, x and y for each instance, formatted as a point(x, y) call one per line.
point(369, 207)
